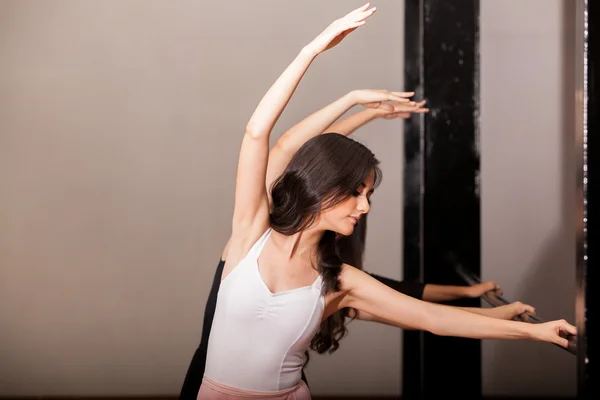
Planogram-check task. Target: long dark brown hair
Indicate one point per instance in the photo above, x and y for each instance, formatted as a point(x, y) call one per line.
point(324, 172)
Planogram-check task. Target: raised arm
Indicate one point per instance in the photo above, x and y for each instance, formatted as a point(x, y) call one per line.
point(350, 124)
point(318, 122)
point(251, 204)
point(364, 293)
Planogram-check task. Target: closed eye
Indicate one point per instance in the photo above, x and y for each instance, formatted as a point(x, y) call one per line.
point(357, 194)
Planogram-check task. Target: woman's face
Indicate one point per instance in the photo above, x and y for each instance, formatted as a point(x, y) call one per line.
point(343, 217)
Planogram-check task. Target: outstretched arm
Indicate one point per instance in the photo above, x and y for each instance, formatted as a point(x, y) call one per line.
point(362, 292)
point(508, 311)
point(418, 290)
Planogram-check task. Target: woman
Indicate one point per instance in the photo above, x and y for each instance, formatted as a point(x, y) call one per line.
point(351, 247)
point(284, 287)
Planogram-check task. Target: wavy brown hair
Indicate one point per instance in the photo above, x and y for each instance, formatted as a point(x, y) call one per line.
point(324, 172)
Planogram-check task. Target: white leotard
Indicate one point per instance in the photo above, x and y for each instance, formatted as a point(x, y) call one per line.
point(258, 339)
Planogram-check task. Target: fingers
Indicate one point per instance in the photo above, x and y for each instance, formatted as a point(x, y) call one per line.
point(360, 13)
point(416, 110)
point(353, 20)
point(359, 19)
point(404, 109)
point(399, 104)
point(408, 95)
point(386, 107)
point(398, 99)
point(566, 327)
point(529, 309)
point(405, 94)
point(498, 290)
point(359, 9)
point(489, 285)
point(410, 107)
point(366, 14)
point(398, 114)
point(563, 328)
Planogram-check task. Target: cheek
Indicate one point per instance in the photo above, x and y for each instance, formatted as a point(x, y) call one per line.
point(346, 208)
point(341, 210)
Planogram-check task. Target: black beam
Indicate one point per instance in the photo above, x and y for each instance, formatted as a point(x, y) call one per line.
point(441, 204)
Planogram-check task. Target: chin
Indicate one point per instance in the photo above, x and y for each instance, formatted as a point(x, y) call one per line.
point(346, 230)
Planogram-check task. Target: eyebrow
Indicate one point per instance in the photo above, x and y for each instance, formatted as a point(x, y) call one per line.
point(370, 191)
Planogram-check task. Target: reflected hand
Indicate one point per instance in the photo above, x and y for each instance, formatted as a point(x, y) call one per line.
point(481, 288)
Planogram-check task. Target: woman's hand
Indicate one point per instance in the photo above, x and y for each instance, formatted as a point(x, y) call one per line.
point(512, 310)
point(339, 29)
point(553, 332)
point(383, 100)
point(401, 110)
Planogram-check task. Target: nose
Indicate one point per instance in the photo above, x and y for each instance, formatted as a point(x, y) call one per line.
point(363, 205)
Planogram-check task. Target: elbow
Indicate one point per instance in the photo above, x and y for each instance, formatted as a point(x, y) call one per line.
point(433, 322)
point(254, 131)
point(285, 147)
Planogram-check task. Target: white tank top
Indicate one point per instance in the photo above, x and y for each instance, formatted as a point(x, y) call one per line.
point(258, 339)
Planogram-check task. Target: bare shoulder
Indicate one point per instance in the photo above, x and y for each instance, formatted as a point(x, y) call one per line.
point(350, 277)
point(336, 300)
point(352, 282)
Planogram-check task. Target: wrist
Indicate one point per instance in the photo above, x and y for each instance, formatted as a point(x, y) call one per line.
point(353, 97)
point(374, 113)
point(308, 52)
point(503, 312)
point(350, 99)
point(528, 330)
point(466, 291)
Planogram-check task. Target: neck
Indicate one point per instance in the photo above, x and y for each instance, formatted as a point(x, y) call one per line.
point(302, 244)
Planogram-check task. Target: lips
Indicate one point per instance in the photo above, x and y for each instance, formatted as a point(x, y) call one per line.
point(355, 219)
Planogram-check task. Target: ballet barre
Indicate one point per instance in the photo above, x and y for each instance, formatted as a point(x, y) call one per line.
point(495, 300)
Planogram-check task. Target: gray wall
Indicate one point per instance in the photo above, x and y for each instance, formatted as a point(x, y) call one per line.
point(528, 183)
point(120, 123)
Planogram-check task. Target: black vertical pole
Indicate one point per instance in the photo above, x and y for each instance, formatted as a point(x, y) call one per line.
point(588, 238)
point(442, 209)
point(412, 379)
